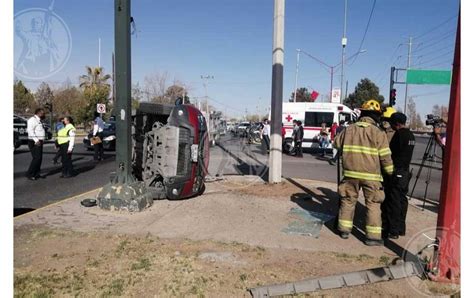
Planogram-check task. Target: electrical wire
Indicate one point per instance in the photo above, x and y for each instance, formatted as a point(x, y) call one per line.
point(433, 59)
point(435, 51)
point(436, 27)
point(450, 61)
point(432, 44)
point(365, 32)
point(436, 37)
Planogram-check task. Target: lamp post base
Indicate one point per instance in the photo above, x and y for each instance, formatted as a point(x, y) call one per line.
point(126, 196)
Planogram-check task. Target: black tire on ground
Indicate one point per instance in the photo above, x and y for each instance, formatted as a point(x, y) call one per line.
point(202, 189)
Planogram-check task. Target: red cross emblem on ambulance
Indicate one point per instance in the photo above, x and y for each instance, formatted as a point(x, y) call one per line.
point(288, 118)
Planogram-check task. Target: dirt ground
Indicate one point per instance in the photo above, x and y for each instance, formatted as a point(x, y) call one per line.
point(75, 257)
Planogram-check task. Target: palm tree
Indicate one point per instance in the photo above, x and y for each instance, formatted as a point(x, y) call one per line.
point(94, 77)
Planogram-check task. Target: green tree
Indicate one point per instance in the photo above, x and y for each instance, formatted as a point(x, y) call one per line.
point(69, 101)
point(23, 99)
point(96, 89)
point(365, 90)
point(302, 95)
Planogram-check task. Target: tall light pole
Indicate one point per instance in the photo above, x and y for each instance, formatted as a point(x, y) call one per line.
point(408, 66)
point(274, 175)
point(297, 66)
point(344, 43)
point(123, 192)
point(331, 67)
point(208, 116)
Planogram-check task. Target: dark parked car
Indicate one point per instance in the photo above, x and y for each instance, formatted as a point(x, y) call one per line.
point(19, 126)
point(108, 135)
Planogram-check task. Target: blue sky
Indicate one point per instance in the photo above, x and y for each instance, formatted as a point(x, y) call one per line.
point(232, 41)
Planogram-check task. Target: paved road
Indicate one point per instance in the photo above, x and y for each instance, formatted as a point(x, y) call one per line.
point(232, 156)
point(29, 195)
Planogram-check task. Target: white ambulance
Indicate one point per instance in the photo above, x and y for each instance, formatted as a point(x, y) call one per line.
point(312, 115)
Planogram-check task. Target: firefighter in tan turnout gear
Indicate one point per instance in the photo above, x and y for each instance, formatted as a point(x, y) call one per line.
point(366, 156)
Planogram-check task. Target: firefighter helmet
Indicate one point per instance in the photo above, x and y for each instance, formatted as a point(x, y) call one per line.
point(371, 105)
point(388, 112)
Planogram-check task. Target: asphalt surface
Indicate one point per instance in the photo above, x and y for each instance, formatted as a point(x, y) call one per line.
point(30, 195)
point(232, 156)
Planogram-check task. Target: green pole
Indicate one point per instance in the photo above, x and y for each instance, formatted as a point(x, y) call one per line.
point(123, 86)
point(123, 192)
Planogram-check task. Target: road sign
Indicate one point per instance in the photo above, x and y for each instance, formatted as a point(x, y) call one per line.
point(101, 108)
point(336, 95)
point(431, 77)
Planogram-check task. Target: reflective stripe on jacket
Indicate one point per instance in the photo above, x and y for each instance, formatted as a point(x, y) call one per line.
point(365, 151)
point(63, 134)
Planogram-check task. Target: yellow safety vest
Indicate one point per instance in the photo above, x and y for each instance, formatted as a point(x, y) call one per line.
point(63, 134)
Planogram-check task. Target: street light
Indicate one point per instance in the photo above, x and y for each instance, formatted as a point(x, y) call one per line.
point(331, 67)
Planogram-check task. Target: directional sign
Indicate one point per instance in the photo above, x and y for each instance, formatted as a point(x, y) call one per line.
point(431, 77)
point(101, 108)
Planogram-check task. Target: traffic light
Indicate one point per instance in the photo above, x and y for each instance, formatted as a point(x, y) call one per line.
point(393, 97)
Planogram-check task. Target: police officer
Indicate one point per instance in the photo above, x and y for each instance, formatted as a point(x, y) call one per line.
point(366, 154)
point(395, 206)
point(36, 136)
point(66, 137)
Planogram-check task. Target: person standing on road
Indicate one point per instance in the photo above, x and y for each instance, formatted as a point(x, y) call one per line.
point(299, 139)
point(66, 137)
point(323, 139)
point(36, 136)
point(338, 130)
point(366, 153)
point(395, 206)
point(266, 134)
point(59, 126)
point(97, 132)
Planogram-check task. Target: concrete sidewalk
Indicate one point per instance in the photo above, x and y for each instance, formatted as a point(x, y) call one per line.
point(219, 244)
point(255, 214)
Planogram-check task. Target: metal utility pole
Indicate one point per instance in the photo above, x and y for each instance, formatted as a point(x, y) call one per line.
point(408, 66)
point(123, 192)
point(347, 84)
point(296, 79)
point(208, 116)
point(344, 43)
point(113, 79)
point(277, 91)
point(99, 51)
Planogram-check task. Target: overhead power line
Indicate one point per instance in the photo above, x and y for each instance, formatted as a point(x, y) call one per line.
point(436, 51)
point(365, 32)
point(450, 61)
point(445, 36)
point(436, 27)
point(434, 59)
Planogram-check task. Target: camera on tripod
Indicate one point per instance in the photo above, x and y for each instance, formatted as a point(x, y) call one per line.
point(433, 120)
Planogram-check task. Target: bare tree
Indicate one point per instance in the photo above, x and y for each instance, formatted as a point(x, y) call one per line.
point(44, 94)
point(155, 86)
point(414, 118)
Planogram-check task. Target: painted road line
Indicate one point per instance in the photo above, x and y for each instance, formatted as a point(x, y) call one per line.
point(59, 202)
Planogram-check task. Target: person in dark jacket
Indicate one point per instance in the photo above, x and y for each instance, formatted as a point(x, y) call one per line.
point(395, 205)
point(299, 139)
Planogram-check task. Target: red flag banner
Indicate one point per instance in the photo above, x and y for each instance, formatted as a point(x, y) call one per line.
point(314, 95)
